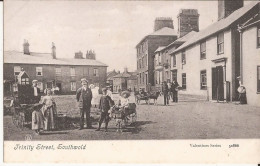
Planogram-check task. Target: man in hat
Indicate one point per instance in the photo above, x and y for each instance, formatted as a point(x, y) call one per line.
point(84, 97)
point(35, 92)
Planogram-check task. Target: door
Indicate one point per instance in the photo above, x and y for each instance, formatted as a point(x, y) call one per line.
point(217, 84)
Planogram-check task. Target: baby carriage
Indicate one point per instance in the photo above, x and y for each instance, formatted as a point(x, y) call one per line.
point(124, 116)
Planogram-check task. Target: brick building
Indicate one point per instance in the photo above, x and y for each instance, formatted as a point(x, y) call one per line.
point(52, 71)
point(164, 35)
point(124, 81)
point(110, 78)
point(209, 62)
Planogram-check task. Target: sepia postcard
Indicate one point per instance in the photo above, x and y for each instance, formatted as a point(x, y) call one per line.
point(131, 81)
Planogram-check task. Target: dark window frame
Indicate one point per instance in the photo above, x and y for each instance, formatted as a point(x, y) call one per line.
point(203, 53)
point(202, 73)
point(174, 60)
point(184, 86)
point(183, 57)
point(219, 43)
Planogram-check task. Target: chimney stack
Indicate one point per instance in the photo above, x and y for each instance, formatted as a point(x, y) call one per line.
point(226, 7)
point(78, 55)
point(91, 54)
point(188, 20)
point(53, 51)
point(26, 47)
point(161, 22)
point(125, 70)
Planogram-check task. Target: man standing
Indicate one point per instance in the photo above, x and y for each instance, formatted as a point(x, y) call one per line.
point(165, 91)
point(36, 97)
point(84, 97)
point(174, 89)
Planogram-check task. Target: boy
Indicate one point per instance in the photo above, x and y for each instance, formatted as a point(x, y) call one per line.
point(104, 105)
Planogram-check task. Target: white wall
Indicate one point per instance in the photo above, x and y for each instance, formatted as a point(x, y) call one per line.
point(251, 59)
point(194, 65)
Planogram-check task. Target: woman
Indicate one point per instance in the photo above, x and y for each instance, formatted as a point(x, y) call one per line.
point(49, 111)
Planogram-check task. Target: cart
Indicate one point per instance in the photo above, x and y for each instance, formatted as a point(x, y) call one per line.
point(124, 117)
point(22, 114)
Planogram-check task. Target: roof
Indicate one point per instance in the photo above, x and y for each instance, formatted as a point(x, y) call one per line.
point(22, 73)
point(161, 32)
point(159, 49)
point(46, 58)
point(218, 26)
point(125, 75)
point(133, 77)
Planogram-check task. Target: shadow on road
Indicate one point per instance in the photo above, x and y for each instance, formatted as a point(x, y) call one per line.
point(136, 127)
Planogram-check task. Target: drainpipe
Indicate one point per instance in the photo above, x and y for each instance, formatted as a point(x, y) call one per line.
point(241, 53)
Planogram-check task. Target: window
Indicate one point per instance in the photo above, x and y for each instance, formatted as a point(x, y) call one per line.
point(203, 50)
point(142, 61)
point(38, 71)
point(158, 77)
point(143, 78)
point(183, 80)
point(140, 64)
point(183, 57)
point(73, 86)
point(25, 81)
point(174, 60)
point(258, 36)
point(159, 59)
point(40, 86)
point(17, 70)
point(58, 71)
point(72, 72)
point(96, 72)
point(258, 78)
point(220, 40)
point(174, 75)
point(203, 80)
point(140, 78)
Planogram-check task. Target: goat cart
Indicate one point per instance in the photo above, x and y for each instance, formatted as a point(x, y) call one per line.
point(22, 114)
point(124, 116)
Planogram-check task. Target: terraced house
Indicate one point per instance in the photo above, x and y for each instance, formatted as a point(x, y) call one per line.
point(52, 71)
point(211, 62)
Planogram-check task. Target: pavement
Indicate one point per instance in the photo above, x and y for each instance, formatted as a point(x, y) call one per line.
point(190, 118)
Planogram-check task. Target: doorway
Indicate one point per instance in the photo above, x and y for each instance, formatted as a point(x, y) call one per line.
point(217, 83)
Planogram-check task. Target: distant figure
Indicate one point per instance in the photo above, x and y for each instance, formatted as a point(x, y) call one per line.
point(242, 94)
point(109, 92)
point(174, 90)
point(165, 91)
point(95, 94)
point(57, 90)
point(36, 96)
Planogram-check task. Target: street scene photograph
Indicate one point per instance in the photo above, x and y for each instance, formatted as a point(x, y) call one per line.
point(131, 70)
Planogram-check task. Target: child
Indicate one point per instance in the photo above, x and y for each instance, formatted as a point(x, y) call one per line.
point(124, 102)
point(37, 121)
point(104, 105)
point(49, 111)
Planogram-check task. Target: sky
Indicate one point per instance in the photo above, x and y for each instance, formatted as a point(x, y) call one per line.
point(111, 28)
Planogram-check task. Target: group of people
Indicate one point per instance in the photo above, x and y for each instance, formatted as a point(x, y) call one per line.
point(44, 118)
point(170, 90)
point(84, 96)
